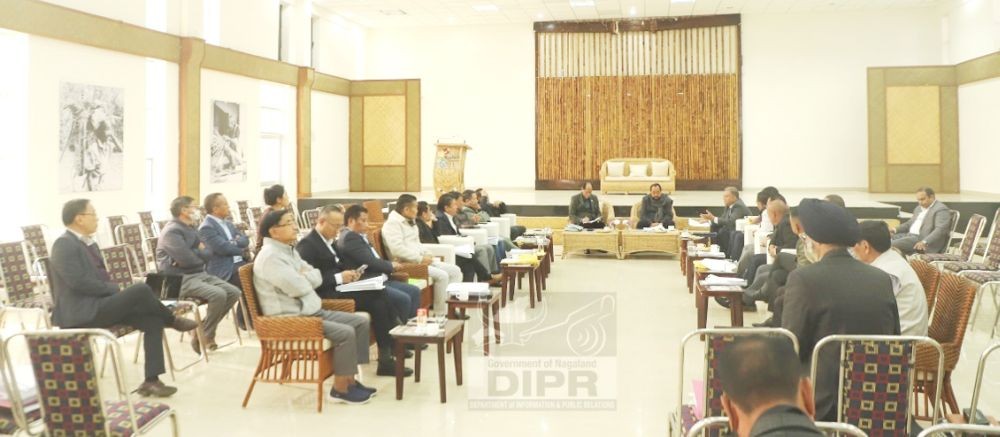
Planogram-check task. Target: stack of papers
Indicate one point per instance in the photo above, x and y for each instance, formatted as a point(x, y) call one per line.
point(26, 388)
point(722, 280)
point(376, 283)
point(464, 250)
point(719, 265)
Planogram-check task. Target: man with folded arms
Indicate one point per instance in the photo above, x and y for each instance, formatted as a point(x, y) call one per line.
point(657, 209)
point(837, 294)
point(317, 250)
point(763, 392)
point(85, 297)
point(286, 286)
point(179, 251)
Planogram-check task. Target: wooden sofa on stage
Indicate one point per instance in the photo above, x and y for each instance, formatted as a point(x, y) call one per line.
point(635, 175)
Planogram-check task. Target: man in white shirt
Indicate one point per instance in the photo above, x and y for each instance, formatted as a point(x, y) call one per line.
point(928, 230)
point(402, 241)
point(875, 249)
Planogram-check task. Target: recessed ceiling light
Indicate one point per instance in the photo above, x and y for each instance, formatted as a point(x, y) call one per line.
point(581, 3)
point(485, 8)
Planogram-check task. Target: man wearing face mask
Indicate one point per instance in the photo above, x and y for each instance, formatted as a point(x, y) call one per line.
point(835, 295)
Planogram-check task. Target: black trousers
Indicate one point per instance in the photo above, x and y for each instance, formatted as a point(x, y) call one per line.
point(136, 306)
point(517, 231)
point(376, 304)
point(472, 269)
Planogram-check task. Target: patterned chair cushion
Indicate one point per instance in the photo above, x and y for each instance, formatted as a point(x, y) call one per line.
point(145, 412)
point(7, 424)
point(39, 301)
point(932, 257)
point(876, 386)
point(982, 277)
point(963, 266)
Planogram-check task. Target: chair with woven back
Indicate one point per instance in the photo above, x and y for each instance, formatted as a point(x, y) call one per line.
point(292, 349)
point(991, 259)
point(255, 213)
point(241, 207)
point(929, 276)
point(131, 234)
point(956, 215)
point(950, 318)
point(114, 221)
point(309, 218)
point(876, 377)
point(966, 249)
point(716, 340)
point(34, 235)
point(375, 214)
point(69, 397)
point(23, 291)
point(147, 222)
point(407, 272)
point(160, 224)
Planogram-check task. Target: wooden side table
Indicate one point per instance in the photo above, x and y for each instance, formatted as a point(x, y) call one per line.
point(511, 273)
point(735, 304)
point(451, 333)
point(691, 258)
point(485, 306)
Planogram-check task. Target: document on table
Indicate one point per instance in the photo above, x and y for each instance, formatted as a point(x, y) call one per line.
point(376, 283)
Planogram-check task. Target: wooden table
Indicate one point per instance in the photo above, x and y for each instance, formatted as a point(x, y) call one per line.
point(484, 305)
point(735, 304)
point(511, 277)
point(592, 240)
point(451, 333)
point(682, 243)
point(690, 270)
point(550, 249)
point(634, 241)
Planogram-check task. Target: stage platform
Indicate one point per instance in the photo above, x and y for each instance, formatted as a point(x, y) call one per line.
point(552, 203)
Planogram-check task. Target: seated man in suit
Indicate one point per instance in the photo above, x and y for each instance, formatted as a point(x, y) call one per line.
point(928, 230)
point(402, 242)
point(449, 222)
point(585, 209)
point(285, 286)
point(836, 295)
point(781, 239)
point(355, 251)
point(179, 251)
point(657, 209)
point(85, 297)
point(763, 390)
point(471, 267)
point(227, 245)
point(470, 207)
point(725, 225)
point(765, 226)
point(317, 250)
point(875, 248)
point(496, 209)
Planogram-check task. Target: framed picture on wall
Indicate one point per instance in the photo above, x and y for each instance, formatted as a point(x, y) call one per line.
point(228, 158)
point(91, 137)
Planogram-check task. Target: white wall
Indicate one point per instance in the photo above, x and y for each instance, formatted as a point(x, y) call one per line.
point(340, 47)
point(53, 62)
point(330, 130)
point(249, 26)
point(477, 84)
point(805, 97)
point(971, 28)
point(978, 112)
point(251, 94)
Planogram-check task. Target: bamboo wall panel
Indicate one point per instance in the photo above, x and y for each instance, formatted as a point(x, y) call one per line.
point(672, 94)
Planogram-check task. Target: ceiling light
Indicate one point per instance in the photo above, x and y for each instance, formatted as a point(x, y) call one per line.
point(486, 8)
point(581, 3)
point(632, 11)
point(540, 15)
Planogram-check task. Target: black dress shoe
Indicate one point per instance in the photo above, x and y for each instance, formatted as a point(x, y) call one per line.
point(388, 368)
point(410, 346)
point(155, 389)
point(769, 323)
point(724, 301)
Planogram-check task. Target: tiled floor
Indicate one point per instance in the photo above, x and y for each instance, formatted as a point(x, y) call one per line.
point(651, 312)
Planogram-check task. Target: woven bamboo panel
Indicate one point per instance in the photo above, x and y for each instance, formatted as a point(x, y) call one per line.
point(913, 124)
point(385, 130)
point(670, 94)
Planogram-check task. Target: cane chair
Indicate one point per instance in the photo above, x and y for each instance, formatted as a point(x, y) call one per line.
point(24, 293)
point(292, 349)
point(966, 249)
point(407, 271)
point(829, 428)
point(929, 279)
point(716, 340)
point(875, 379)
point(947, 327)
point(70, 400)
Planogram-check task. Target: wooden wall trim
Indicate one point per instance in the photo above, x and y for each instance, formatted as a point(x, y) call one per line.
point(244, 64)
point(331, 84)
point(981, 68)
point(189, 117)
point(636, 24)
point(303, 131)
point(50, 21)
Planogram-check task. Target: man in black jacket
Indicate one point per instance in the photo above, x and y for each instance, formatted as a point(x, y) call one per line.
point(836, 295)
point(355, 251)
point(725, 225)
point(85, 297)
point(317, 250)
point(657, 209)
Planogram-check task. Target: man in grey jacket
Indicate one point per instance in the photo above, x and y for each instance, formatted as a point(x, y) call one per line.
point(285, 287)
point(928, 230)
point(585, 209)
point(179, 251)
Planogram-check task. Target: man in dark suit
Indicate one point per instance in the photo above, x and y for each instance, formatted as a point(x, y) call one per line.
point(836, 295)
point(928, 230)
point(725, 225)
point(317, 250)
point(85, 297)
point(355, 251)
point(763, 392)
point(585, 209)
point(448, 223)
point(228, 246)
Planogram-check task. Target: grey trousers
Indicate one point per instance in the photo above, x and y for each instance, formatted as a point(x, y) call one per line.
point(349, 334)
point(905, 242)
point(486, 255)
point(220, 296)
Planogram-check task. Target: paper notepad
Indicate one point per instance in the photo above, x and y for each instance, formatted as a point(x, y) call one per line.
point(376, 283)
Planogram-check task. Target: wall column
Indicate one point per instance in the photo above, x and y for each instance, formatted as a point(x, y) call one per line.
point(189, 105)
point(303, 130)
